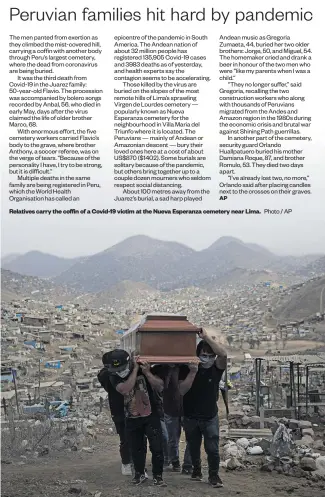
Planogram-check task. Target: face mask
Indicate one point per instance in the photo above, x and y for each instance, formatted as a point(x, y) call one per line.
point(206, 362)
point(124, 373)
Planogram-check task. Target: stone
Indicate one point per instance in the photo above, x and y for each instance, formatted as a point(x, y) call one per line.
point(308, 464)
point(297, 472)
point(233, 463)
point(320, 465)
point(224, 422)
point(268, 467)
point(75, 490)
point(271, 423)
point(255, 419)
point(286, 460)
point(60, 445)
point(309, 432)
point(291, 489)
point(236, 414)
point(286, 468)
point(245, 420)
point(66, 441)
point(304, 424)
point(24, 443)
point(304, 451)
point(318, 445)
point(88, 423)
point(255, 422)
point(229, 444)
point(281, 444)
point(87, 449)
point(307, 440)
point(265, 444)
point(255, 451)
point(44, 451)
point(293, 424)
point(233, 451)
point(243, 442)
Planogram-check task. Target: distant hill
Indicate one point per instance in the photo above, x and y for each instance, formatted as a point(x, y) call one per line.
point(211, 265)
point(302, 301)
point(145, 246)
point(166, 265)
point(139, 258)
point(237, 253)
point(38, 264)
point(298, 264)
point(314, 267)
point(123, 291)
point(16, 286)
point(242, 276)
point(226, 241)
point(7, 259)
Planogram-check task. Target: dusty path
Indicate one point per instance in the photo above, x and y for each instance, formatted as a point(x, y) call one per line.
point(57, 476)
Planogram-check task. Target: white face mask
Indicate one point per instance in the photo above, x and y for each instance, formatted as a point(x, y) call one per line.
point(207, 362)
point(124, 373)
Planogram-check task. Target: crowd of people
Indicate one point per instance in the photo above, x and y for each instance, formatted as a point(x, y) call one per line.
point(150, 404)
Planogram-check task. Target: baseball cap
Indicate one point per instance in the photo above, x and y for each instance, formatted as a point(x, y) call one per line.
point(116, 360)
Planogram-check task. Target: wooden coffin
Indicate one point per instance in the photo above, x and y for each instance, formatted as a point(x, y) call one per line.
point(166, 338)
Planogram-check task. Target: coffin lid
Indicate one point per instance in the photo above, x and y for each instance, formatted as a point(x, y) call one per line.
point(165, 322)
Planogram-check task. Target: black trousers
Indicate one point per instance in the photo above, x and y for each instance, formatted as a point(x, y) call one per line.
point(125, 449)
point(138, 429)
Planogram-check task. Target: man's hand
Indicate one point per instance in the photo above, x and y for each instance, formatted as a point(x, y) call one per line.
point(193, 366)
point(145, 366)
point(203, 334)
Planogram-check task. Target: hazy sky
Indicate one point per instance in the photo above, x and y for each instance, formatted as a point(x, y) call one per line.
point(301, 232)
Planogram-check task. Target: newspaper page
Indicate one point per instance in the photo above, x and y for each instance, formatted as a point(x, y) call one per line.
point(162, 164)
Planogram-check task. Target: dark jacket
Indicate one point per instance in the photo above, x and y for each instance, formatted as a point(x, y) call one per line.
point(115, 399)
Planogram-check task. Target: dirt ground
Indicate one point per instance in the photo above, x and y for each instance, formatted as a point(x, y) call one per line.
point(292, 347)
point(98, 474)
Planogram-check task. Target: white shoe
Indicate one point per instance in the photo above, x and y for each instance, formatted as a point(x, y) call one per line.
point(126, 470)
point(146, 474)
